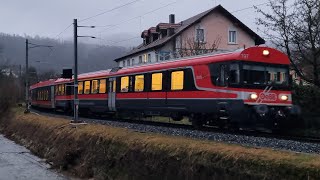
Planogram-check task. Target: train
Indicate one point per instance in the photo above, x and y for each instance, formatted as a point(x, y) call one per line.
point(244, 88)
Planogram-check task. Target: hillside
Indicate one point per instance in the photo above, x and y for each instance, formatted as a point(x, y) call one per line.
point(91, 57)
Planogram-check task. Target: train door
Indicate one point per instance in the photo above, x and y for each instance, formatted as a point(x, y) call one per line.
point(52, 92)
point(112, 94)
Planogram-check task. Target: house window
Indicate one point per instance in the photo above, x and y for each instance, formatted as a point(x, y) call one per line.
point(139, 83)
point(177, 80)
point(232, 36)
point(140, 59)
point(128, 62)
point(200, 35)
point(156, 83)
point(149, 58)
point(123, 63)
point(164, 56)
point(145, 58)
point(125, 84)
point(157, 57)
point(132, 62)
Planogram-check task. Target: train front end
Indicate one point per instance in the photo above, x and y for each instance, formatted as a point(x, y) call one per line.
point(264, 79)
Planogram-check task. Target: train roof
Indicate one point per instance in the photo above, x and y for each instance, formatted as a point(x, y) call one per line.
point(49, 82)
point(253, 54)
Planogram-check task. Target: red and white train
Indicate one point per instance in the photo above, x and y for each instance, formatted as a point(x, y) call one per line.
point(248, 87)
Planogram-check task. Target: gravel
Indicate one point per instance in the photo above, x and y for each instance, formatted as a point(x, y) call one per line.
point(251, 141)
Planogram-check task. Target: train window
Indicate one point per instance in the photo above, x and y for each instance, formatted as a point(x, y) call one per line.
point(114, 86)
point(87, 87)
point(62, 89)
point(177, 78)
point(139, 83)
point(80, 87)
point(95, 87)
point(124, 84)
point(156, 83)
point(102, 86)
point(234, 74)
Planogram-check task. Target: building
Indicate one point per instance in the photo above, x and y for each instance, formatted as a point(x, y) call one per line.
point(211, 31)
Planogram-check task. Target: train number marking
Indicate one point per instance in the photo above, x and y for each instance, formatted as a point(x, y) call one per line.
point(245, 56)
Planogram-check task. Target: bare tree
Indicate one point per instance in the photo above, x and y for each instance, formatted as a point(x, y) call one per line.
point(294, 27)
point(190, 47)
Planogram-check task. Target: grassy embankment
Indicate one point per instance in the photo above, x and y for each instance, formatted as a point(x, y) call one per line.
point(106, 152)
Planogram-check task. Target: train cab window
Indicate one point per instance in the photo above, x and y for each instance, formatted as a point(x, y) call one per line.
point(139, 83)
point(177, 78)
point(87, 87)
point(156, 83)
point(234, 74)
point(124, 84)
point(95, 87)
point(102, 86)
point(80, 87)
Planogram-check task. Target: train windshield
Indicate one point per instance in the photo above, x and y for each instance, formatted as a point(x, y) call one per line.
point(265, 75)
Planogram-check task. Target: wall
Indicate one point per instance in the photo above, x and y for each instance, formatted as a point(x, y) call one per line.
point(216, 25)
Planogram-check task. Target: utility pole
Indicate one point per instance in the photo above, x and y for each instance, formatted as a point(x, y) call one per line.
point(27, 70)
point(27, 77)
point(75, 100)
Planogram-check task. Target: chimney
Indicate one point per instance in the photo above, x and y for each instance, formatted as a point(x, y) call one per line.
point(171, 19)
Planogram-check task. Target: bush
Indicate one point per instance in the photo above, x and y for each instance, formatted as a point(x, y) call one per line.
point(8, 95)
point(308, 98)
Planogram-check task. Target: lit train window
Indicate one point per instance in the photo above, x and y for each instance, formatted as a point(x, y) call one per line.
point(102, 86)
point(62, 89)
point(80, 87)
point(114, 86)
point(139, 83)
point(177, 80)
point(156, 84)
point(87, 87)
point(95, 87)
point(125, 84)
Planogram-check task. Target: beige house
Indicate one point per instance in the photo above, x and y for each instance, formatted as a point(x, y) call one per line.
point(214, 30)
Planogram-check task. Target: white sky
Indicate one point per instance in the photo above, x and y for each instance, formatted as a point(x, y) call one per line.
point(47, 18)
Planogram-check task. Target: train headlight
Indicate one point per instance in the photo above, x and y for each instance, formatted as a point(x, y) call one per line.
point(266, 52)
point(284, 98)
point(253, 96)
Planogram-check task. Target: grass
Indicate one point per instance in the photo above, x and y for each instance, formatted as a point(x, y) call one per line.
point(105, 152)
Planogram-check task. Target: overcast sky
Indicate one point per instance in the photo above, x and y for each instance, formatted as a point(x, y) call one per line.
point(47, 18)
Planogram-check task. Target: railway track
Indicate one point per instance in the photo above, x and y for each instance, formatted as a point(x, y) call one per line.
point(303, 144)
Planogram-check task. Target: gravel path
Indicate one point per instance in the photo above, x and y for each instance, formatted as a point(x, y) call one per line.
point(274, 143)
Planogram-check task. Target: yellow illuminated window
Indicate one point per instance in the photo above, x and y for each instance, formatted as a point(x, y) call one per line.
point(87, 87)
point(139, 83)
point(125, 84)
point(57, 90)
point(114, 86)
point(156, 82)
point(102, 86)
point(177, 80)
point(95, 86)
point(62, 89)
point(80, 87)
